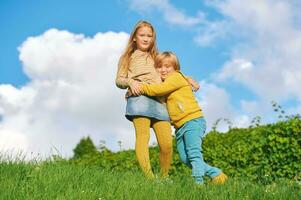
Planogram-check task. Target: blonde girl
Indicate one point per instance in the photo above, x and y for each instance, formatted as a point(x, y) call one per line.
point(136, 65)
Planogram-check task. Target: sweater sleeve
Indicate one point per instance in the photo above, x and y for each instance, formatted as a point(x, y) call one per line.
point(172, 83)
point(122, 80)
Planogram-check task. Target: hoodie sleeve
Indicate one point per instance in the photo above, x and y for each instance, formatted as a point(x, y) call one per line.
point(171, 84)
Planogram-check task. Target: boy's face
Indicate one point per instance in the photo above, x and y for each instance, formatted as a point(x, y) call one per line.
point(144, 38)
point(165, 69)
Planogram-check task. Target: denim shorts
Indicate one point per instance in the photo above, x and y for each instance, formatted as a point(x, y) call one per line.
point(147, 107)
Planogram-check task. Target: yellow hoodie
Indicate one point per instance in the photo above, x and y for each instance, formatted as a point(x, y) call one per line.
point(181, 103)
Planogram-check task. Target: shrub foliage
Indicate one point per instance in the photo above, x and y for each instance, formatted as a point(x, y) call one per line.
point(263, 153)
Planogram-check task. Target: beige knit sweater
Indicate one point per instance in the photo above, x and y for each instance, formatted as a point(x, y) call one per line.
point(141, 68)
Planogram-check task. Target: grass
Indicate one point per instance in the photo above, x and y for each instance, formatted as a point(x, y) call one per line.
point(61, 180)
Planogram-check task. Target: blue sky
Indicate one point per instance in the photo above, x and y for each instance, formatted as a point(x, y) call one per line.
point(22, 19)
point(243, 55)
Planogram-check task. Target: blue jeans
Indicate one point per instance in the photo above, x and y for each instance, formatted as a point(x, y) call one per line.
point(189, 145)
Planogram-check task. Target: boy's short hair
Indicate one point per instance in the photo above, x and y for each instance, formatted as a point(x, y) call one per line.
point(167, 55)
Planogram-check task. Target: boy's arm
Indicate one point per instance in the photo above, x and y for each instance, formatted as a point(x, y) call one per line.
point(171, 84)
point(195, 85)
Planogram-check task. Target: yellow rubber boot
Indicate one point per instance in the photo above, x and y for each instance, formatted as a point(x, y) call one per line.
point(219, 179)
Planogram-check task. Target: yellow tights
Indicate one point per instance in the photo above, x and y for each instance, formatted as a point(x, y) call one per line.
point(163, 134)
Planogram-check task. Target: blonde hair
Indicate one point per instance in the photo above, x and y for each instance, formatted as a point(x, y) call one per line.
point(131, 45)
point(173, 59)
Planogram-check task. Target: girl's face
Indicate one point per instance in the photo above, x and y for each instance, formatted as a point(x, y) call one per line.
point(165, 69)
point(144, 38)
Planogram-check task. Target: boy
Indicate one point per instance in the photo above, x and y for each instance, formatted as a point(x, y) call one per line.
point(185, 114)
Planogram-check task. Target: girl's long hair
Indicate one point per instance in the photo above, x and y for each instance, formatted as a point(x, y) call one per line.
point(131, 45)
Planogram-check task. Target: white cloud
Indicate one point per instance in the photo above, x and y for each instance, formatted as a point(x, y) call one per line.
point(207, 32)
point(239, 66)
point(268, 60)
point(71, 94)
point(210, 32)
point(254, 108)
point(259, 16)
point(171, 14)
point(216, 104)
point(9, 139)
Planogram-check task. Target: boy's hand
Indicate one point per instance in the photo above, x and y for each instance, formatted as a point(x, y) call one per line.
point(135, 88)
point(194, 85)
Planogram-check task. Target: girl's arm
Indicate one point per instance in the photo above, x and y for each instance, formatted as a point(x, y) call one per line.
point(135, 88)
point(122, 80)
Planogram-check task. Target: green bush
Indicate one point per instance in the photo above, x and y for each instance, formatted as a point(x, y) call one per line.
point(84, 147)
point(264, 153)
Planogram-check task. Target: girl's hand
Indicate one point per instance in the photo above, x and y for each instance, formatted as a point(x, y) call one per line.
point(194, 85)
point(135, 88)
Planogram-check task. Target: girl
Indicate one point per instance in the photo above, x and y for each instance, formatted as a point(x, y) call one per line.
point(185, 114)
point(137, 65)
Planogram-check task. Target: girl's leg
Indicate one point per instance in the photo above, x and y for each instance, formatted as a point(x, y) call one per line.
point(142, 128)
point(163, 133)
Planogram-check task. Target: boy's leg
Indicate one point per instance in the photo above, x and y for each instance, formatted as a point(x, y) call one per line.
point(192, 140)
point(209, 170)
point(163, 133)
point(182, 151)
point(142, 129)
point(193, 135)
